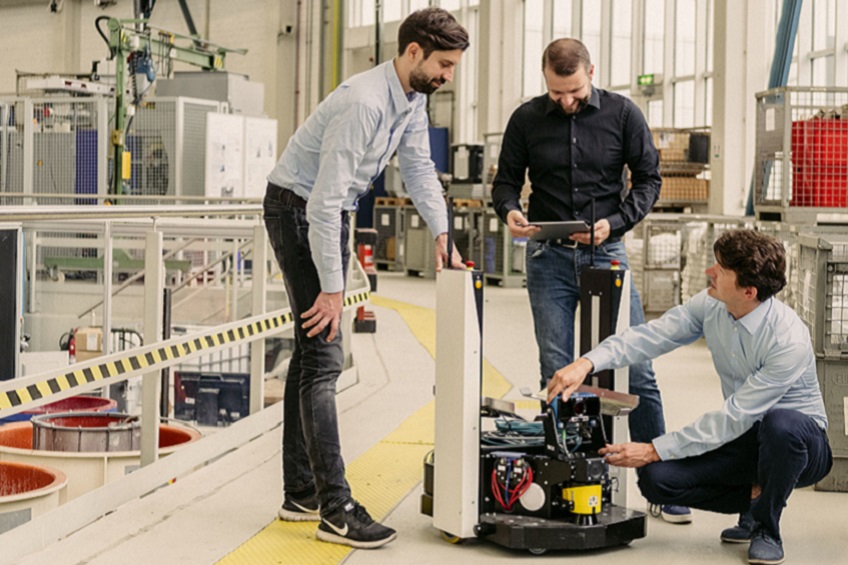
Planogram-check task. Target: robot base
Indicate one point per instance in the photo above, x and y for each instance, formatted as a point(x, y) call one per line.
point(616, 526)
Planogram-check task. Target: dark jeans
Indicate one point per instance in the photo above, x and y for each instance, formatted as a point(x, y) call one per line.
point(312, 459)
point(553, 284)
point(787, 450)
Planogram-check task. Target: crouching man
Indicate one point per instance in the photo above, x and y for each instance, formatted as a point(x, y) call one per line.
point(769, 437)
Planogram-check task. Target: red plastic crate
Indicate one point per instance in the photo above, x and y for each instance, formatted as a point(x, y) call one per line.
point(820, 186)
point(820, 163)
point(820, 142)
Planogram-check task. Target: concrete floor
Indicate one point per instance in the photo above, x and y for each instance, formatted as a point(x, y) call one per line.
point(205, 516)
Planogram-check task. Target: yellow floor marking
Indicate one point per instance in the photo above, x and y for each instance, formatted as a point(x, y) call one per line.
point(379, 478)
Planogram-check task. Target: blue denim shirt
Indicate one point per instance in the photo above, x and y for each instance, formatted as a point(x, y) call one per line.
point(333, 158)
point(764, 360)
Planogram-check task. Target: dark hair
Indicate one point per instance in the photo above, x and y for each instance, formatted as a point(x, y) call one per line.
point(758, 260)
point(433, 29)
point(565, 56)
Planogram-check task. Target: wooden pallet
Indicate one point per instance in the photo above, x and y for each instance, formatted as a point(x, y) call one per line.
point(467, 203)
point(392, 201)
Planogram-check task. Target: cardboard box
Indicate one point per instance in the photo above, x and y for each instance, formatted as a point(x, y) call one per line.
point(89, 339)
point(674, 154)
point(86, 355)
point(685, 189)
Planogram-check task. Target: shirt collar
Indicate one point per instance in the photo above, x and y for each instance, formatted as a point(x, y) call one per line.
point(594, 101)
point(753, 319)
point(401, 99)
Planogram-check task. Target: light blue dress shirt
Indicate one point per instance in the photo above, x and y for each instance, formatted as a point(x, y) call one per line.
point(764, 360)
point(333, 158)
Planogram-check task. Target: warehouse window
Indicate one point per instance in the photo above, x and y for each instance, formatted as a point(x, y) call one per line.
point(622, 16)
point(392, 11)
point(652, 61)
point(684, 38)
point(562, 19)
point(360, 13)
point(590, 35)
point(533, 80)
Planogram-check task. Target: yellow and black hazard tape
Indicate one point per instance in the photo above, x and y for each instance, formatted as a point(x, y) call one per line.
point(72, 379)
point(356, 298)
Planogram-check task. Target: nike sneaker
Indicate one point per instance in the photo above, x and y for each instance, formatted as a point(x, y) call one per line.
point(350, 524)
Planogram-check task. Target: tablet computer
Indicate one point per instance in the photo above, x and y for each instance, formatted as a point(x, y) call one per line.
point(558, 230)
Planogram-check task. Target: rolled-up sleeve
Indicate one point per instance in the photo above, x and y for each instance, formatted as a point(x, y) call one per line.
point(343, 147)
point(419, 172)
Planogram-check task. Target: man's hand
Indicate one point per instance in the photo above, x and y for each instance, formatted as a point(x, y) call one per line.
point(326, 310)
point(630, 454)
point(602, 232)
point(567, 379)
point(518, 225)
point(442, 254)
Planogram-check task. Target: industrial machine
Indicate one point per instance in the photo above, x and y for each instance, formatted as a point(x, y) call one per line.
point(537, 485)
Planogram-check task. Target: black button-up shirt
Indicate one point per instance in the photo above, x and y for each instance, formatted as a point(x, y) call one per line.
point(572, 159)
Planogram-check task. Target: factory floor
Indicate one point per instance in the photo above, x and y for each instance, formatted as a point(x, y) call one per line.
point(225, 512)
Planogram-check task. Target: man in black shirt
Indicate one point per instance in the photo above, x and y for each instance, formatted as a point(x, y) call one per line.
point(573, 143)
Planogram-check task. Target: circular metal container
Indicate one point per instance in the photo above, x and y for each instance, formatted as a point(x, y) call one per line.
point(86, 432)
point(80, 403)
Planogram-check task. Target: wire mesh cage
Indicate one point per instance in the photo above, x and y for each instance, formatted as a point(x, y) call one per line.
point(822, 292)
point(54, 145)
point(661, 260)
point(5, 131)
point(634, 242)
point(167, 142)
point(388, 221)
point(419, 245)
point(802, 147)
point(788, 236)
point(684, 164)
point(467, 233)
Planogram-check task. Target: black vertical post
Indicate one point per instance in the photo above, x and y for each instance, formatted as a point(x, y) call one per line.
point(8, 303)
point(166, 334)
point(592, 236)
point(450, 232)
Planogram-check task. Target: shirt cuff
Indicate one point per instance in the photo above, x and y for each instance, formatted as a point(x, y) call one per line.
point(438, 226)
point(599, 359)
point(331, 282)
point(665, 446)
point(616, 222)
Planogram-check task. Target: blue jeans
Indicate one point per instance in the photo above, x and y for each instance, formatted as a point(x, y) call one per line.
point(787, 450)
point(553, 283)
point(312, 459)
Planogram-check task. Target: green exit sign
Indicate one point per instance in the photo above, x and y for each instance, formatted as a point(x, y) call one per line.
point(645, 80)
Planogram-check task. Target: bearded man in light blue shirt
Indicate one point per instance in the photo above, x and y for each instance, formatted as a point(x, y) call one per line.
point(328, 164)
point(769, 436)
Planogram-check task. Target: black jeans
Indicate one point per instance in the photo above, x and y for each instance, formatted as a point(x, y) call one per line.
point(312, 459)
point(787, 450)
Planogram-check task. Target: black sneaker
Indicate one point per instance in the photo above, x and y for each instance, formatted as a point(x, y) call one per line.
point(352, 525)
point(741, 532)
point(765, 549)
point(300, 510)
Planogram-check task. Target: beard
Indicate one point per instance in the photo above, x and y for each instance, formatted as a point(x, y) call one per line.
point(420, 82)
point(581, 103)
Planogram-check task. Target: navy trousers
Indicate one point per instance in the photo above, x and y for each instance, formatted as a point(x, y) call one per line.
point(786, 450)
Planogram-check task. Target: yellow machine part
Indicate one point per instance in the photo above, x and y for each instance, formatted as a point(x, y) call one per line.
point(126, 166)
point(586, 499)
